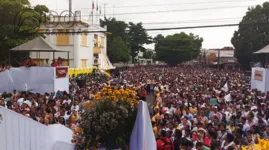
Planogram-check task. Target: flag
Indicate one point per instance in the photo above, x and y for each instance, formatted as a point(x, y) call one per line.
point(213, 101)
point(92, 4)
point(228, 98)
point(225, 87)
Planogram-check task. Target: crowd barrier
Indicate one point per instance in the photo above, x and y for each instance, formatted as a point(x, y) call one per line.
point(21, 133)
point(260, 79)
point(34, 79)
point(77, 71)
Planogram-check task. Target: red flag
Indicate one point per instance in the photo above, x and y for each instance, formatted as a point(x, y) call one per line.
point(92, 4)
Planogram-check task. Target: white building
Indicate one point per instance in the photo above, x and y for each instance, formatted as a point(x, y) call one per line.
point(86, 49)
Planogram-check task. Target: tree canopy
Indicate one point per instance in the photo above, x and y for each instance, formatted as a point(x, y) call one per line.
point(137, 37)
point(117, 49)
point(252, 35)
point(17, 17)
point(177, 48)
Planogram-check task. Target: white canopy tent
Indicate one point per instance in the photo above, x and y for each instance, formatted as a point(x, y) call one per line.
point(263, 50)
point(261, 56)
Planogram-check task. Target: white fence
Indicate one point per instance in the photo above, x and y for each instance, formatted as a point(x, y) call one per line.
point(33, 79)
point(21, 133)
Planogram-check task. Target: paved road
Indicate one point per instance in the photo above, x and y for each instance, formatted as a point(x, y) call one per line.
point(150, 101)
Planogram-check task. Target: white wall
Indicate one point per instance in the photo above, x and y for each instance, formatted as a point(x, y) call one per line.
point(21, 133)
point(263, 85)
point(33, 79)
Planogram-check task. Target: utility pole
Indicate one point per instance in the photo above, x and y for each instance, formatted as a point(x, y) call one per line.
point(113, 11)
point(219, 59)
point(70, 8)
point(105, 10)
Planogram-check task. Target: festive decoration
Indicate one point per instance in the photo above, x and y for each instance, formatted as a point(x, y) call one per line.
point(108, 120)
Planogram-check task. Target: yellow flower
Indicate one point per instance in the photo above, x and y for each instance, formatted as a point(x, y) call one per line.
point(87, 104)
point(114, 98)
point(97, 97)
point(117, 92)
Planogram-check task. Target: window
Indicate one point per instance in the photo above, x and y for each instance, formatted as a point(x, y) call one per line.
point(84, 39)
point(102, 42)
point(62, 39)
point(83, 63)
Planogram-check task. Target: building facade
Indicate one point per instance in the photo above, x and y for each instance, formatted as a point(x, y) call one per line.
point(84, 39)
point(226, 57)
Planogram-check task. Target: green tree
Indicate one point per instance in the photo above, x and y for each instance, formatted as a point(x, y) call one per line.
point(116, 27)
point(137, 37)
point(118, 50)
point(252, 34)
point(158, 38)
point(17, 17)
point(178, 48)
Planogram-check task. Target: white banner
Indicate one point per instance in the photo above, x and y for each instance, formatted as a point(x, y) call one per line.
point(260, 79)
point(33, 79)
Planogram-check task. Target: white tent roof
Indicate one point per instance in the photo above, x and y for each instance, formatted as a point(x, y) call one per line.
point(263, 50)
point(36, 45)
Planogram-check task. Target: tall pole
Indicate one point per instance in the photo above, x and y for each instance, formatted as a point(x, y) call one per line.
point(219, 59)
point(105, 10)
point(113, 11)
point(70, 8)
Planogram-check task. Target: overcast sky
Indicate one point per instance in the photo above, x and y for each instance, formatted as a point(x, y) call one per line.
point(169, 14)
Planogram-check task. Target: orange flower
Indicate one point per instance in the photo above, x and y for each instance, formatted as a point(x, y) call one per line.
point(97, 97)
point(87, 104)
point(117, 93)
point(114, 98)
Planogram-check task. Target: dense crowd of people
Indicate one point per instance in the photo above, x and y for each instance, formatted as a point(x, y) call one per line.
point(194, 107)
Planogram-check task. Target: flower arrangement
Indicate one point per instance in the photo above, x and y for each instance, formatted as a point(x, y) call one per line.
point(108, 120)
point(261, 145)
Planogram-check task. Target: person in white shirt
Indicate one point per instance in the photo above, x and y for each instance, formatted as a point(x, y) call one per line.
point(75, 106)
point(69, 101)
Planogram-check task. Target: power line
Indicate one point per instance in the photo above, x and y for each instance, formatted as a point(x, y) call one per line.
point(171, 4)
point(169, 11)
point(174, 4)
point(178, 10)
point(156, 29)
point(194, 21)
point(191, 21)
